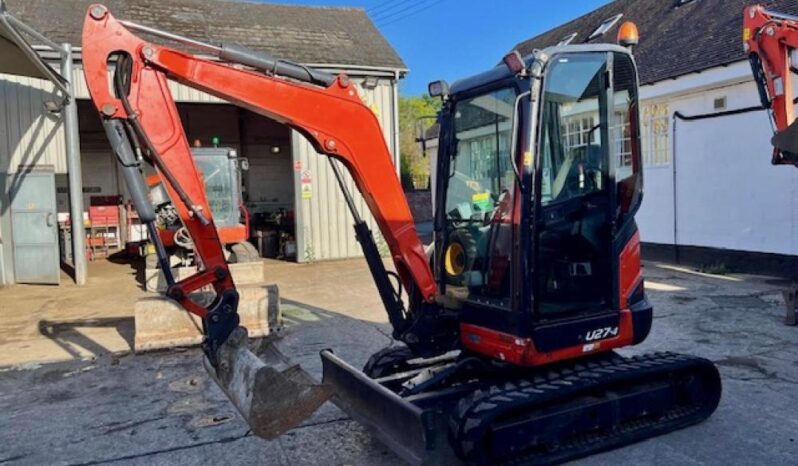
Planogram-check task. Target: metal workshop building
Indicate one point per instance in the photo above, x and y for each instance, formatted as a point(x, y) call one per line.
point(285, 172)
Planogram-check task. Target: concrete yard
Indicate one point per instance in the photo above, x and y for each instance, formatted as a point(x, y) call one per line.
point(72, 394)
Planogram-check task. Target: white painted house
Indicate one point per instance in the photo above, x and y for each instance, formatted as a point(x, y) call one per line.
point(711, 194)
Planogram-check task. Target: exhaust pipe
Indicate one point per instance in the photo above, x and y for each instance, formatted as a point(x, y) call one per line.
point(272, 394)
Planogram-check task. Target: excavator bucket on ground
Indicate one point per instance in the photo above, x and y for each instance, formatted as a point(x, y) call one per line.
point(272, 394)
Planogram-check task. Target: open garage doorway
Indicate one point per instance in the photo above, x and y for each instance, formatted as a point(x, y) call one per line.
point(247, 164)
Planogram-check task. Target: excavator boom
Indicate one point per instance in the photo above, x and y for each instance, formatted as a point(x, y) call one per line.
point(327, 110)
point(141, 120)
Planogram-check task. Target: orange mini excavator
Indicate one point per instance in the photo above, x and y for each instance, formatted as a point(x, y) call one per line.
point(506, 335)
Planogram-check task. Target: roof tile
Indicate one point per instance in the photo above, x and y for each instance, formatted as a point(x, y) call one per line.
point(674, 40)
point(323, 35)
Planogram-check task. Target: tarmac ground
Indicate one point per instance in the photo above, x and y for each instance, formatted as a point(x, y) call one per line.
point(73, 393)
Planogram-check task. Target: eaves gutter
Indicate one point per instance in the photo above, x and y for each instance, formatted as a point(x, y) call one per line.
point(388, 71)
point(685, 74)
point(14, 28)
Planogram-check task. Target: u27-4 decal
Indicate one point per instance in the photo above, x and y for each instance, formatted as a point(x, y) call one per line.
point(601, 333)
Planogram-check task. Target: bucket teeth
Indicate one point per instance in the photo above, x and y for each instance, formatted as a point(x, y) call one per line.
point(271, 394)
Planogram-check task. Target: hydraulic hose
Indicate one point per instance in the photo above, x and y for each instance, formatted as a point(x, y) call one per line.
point(120, 85)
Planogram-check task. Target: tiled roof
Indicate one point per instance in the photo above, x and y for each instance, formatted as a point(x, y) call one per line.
point(324, 35)
point(674, 40)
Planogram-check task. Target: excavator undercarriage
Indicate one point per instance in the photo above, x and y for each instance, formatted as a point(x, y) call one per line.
point(460, 406)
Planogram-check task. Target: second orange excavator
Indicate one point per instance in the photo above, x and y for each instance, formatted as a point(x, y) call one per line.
point(771, 41)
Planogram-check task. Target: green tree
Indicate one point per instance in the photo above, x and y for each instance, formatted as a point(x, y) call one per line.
point(414, 167)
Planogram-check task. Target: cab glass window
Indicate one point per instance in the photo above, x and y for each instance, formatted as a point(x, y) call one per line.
point(479, 199)
point(572, 162)
point(625, 134)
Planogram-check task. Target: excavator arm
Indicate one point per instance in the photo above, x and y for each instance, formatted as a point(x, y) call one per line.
point(128, 80)
point(326, 109)
point(771, 41)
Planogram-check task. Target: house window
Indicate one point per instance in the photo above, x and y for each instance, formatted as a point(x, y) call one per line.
point(605, 26)
point(484, 156)
point(656, 138)
point(622, 138)
point(576, 131)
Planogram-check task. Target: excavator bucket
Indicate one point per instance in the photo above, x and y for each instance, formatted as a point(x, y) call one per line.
point(272, 394)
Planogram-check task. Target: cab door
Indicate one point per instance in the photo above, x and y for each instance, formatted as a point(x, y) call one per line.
point(627, 176)
point(479, 201)
point(574, 221)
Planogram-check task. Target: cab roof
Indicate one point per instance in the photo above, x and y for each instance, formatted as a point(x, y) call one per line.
point(500, 72)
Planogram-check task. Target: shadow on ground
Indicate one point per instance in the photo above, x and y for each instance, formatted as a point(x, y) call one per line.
point(71, 337)
point(162, 408)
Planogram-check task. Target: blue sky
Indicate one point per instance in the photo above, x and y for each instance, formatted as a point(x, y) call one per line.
point(451, 39)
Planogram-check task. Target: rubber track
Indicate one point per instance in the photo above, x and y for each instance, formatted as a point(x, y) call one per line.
point(471, 421)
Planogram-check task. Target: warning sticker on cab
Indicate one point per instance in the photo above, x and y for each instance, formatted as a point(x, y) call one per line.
point(527, 159)
point(481, 201)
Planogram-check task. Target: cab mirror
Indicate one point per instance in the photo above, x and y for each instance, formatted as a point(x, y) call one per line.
point(438, 89)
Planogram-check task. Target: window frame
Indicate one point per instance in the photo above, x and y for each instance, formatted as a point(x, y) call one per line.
point(605, 26)
point(655, 132)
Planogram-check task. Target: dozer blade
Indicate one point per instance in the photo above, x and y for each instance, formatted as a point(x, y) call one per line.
point(272, 394)
point(405, 428)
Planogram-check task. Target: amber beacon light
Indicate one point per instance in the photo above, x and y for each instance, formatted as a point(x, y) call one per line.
point(628, 35)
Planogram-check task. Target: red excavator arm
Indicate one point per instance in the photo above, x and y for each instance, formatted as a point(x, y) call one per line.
point(771, 42)
point(326, 109)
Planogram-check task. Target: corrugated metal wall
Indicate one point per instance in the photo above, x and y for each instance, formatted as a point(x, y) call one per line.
point(324, 223)
point(28, 134)
point(181, 93)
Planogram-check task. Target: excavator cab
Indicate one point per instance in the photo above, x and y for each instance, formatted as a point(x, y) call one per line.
point(539, 179)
